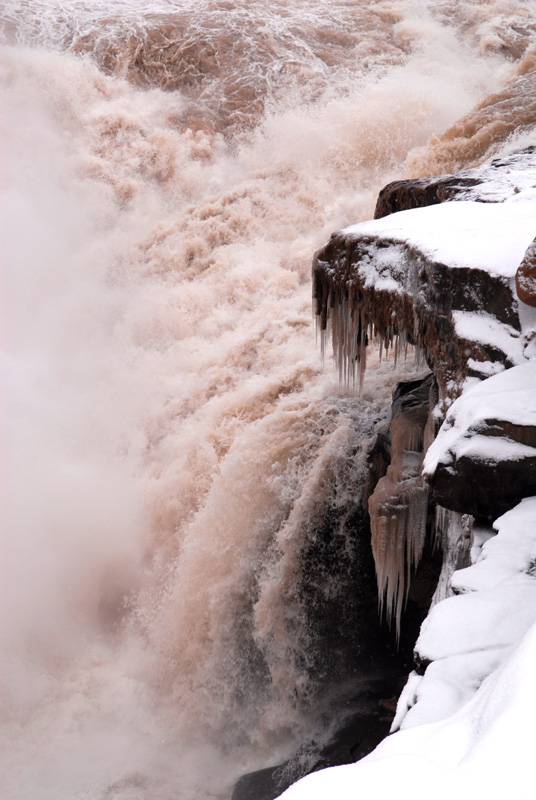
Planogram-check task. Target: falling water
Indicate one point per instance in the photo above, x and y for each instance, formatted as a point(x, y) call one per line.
point(172, 440)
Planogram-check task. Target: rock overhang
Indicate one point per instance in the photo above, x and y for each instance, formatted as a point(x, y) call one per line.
point(440, 277)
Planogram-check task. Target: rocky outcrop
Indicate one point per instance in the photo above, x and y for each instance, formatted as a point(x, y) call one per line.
point(440, 278)
point(440, 269)
point(483, 461)
point(492, 183)
point(437, 271)
point(526, 277)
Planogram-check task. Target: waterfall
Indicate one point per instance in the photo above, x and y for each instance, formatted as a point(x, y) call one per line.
point(182, 474)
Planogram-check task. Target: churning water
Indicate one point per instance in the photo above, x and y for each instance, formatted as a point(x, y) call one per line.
point(170, 437)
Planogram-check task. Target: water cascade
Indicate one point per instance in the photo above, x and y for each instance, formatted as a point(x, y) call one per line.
point(183, 483)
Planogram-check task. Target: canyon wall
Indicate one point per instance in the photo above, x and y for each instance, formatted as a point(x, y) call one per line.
point(432, 279)
point(446, 269)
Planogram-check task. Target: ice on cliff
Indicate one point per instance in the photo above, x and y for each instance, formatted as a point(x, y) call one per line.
point(467, 722)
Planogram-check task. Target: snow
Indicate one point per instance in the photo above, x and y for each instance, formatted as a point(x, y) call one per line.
point(509, 396)
point(382, 269)
point(487, 330)
point(466, 724)
point(485, 368)
point(492, 237)
point(479, 620)
point(511, 551)
point(493, 450)
point(513, 181)
point(484, 750)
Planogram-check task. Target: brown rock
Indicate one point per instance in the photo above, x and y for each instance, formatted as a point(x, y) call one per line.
point(526, 277)
point(491, 183)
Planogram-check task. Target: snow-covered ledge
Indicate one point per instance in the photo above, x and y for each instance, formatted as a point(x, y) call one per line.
point(483, 460)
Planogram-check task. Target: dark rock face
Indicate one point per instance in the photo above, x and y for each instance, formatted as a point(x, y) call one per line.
point(488, 184)
point(381, 666)
point(483, 487)
point(356, 739)
point(526, 277)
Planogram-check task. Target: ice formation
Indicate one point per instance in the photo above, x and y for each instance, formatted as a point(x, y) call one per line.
point(398, 513)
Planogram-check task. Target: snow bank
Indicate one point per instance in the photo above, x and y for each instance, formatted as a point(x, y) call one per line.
point(469, 731)
point(484, 750)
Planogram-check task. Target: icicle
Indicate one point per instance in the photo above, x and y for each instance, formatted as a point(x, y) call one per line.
point(398, 514)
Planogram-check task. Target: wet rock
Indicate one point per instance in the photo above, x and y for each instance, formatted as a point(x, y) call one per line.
point(381, 665)
point(362, 731)
point(526, 277)
point(421, 192)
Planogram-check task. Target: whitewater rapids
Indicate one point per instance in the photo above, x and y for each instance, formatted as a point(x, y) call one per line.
point(170, 435)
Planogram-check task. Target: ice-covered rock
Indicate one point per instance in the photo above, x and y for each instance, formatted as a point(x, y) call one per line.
point(398, 507)
point(441, 278)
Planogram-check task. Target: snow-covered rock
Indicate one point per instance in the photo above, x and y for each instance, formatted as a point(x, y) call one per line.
point(483, 460)
point(467, 636)
point(489, 183)
point(440, 277)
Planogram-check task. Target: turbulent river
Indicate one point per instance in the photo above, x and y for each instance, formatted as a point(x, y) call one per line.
point(171, 437)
